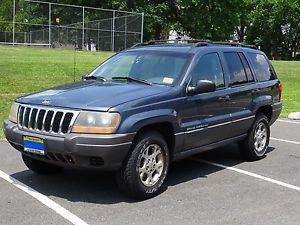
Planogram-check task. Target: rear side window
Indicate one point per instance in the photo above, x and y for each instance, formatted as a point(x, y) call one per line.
point(209, 68)
point(236, 69)
point(262, 68)
point(247, 67)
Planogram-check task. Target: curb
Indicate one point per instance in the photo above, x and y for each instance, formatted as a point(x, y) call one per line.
point(294, 116)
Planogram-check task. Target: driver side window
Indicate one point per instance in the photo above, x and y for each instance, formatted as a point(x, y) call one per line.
point(209, 68)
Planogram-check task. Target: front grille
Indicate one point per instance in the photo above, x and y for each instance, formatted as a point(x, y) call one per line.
point(46, 120)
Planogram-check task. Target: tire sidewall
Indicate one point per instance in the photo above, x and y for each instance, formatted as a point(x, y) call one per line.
point(153, 139)
point(263, 119)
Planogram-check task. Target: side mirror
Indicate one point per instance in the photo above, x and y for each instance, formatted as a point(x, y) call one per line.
point(203, 86)
point(83, 77)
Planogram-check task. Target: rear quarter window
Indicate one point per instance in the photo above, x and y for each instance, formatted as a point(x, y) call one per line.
point(262, 68)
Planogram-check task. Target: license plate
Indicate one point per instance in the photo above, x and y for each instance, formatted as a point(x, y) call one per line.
point(34, 145)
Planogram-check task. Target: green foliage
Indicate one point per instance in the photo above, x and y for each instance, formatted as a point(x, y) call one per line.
point(272, 24)
point(204, 19)
point(275, 25)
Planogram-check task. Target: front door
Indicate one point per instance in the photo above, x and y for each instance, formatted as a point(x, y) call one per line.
point(207, 117)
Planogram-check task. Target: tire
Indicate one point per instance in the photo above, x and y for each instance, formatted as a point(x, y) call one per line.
point(149, 158)
point(255, 146)
point(40, 167)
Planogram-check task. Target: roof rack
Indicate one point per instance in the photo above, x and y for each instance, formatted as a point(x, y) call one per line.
point(194, 42)
point(235, 44)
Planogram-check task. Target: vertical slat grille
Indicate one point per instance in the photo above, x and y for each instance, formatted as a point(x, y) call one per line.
point(32, 118)
point(40, 119)
point(45, 120)
point(47, 123)
point(66, 122)
point(21, 114)
point(26, 117)
point(56, 121)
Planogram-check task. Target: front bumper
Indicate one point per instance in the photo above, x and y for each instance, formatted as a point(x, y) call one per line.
point(105, 152)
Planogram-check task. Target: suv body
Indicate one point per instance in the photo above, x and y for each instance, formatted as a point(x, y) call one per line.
point(236, 85)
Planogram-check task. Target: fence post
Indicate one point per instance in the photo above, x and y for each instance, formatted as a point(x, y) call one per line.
point(113, 32)
point(142, 29)
point(49, 24)
point(14, 20)
point(98, 36)
point(83, 28)
point(125, 32)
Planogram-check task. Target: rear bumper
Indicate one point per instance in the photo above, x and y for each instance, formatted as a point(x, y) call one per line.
point(105, 152)
point(276, 110)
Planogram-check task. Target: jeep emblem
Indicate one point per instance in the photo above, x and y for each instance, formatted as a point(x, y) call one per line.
point(46, 102)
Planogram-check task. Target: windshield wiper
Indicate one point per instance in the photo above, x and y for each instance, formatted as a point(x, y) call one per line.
point(93, 77)
point(131, 79)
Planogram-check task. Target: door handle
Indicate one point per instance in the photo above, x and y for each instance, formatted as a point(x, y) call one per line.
point(255, 91)
point(224, 98)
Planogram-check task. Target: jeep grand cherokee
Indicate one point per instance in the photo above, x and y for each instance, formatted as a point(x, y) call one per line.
point(148, 106)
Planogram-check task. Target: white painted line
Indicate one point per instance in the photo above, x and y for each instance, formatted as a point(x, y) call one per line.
point(249, 174)
point(288, 121)
point(287, 141)
point(44, 200)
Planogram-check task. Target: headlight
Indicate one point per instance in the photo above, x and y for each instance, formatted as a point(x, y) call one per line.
point(96, 123)
point(13, 115)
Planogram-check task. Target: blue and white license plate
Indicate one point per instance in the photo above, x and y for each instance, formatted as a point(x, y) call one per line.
point(34, 145)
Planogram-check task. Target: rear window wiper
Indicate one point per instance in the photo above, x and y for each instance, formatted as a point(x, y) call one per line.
point(93, 77)
point(131, 79)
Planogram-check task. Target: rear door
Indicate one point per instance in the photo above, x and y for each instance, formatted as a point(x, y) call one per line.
point(242, 88)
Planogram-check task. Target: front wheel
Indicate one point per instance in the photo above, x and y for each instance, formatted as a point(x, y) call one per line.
point(144, 171)
point(254, 147)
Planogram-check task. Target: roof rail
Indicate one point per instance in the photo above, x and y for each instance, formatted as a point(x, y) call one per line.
point(235, 44)
point(195, 43)
point(158, 42)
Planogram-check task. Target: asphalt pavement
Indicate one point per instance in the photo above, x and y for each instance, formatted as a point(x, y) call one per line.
point(222, 189)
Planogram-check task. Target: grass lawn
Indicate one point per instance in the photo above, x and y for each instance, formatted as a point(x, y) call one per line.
point(289, 74)
point(26, 70)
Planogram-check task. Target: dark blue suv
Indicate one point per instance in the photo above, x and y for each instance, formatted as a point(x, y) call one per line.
point(148, 106)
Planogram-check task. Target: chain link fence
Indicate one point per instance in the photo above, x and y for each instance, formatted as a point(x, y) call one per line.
point(53, 25)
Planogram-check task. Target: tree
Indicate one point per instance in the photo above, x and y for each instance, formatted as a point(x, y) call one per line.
point(209, 19)
point(275, 26)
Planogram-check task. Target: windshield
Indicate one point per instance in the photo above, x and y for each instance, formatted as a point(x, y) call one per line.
point(153, 67)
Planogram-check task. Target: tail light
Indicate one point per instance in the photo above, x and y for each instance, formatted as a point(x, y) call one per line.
point(280, 90)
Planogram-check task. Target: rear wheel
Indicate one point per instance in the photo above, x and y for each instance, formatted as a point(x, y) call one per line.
point(145, 169)
point(254, 147)
point(40, 167)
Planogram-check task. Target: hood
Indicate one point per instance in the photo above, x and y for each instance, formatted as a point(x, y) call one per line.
point(92, 95)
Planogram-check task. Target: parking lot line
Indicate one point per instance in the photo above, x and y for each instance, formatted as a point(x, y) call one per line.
point(248, 173)
point(283, 140)
point(44, 200)
point(288, 121)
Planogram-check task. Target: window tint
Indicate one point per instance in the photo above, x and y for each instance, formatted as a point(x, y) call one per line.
point(247, 67)
point(262, 68)
point(236, 68)
point(208, 68)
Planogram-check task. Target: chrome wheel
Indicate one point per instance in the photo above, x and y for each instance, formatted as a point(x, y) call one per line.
point(151, 165)
point(260, 137)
